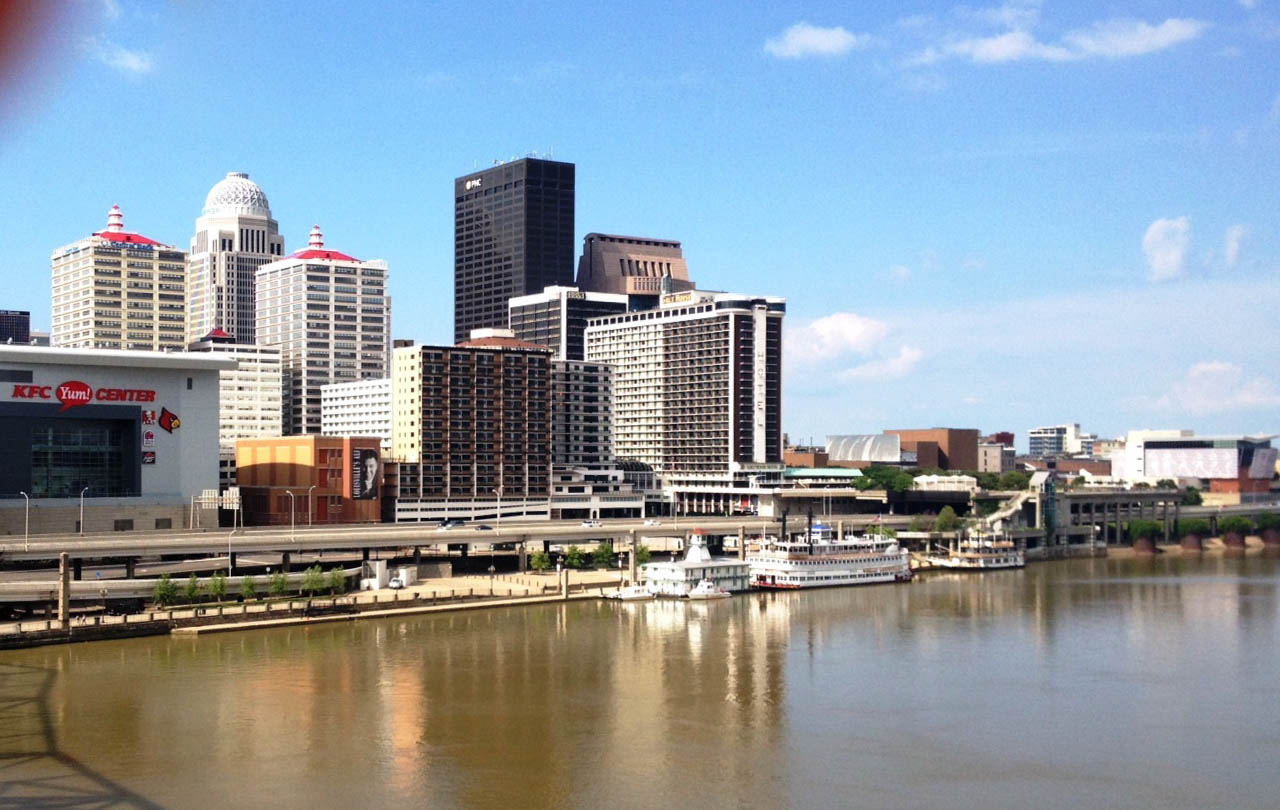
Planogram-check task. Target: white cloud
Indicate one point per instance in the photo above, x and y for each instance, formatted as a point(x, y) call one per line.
point(1218, 387)
point(1010, 15)
point(900, 272)
point(803, 39)
point(1165, 244)
point(1118, 38)
point(1110, 39)
point(111, 8)
point(1250, 4)
point(888, 368)
point(122, 59)
point(834, 335)
point(1231, 244)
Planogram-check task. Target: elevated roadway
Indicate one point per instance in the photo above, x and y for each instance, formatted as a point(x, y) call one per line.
point(369, 537)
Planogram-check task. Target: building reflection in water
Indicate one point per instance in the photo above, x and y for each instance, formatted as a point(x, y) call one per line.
point(924, 691)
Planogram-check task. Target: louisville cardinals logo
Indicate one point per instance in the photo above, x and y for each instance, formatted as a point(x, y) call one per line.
point(169, 420)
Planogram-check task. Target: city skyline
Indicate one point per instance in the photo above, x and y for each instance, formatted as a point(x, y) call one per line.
point(999, 217)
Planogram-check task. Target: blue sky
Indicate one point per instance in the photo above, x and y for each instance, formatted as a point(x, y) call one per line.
point(992, 216)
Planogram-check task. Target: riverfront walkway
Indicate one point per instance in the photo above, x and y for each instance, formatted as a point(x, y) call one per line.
point(428, 596)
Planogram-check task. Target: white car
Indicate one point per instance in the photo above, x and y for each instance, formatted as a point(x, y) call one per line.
point(395, 584)
point(590, 524)
point(653, 522)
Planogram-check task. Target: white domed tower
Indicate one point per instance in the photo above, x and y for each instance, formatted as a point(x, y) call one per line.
point(235, 235)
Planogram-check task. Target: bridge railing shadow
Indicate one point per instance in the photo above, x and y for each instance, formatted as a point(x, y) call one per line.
point(34, 773)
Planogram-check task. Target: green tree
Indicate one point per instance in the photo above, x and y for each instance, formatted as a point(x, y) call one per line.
point(574, 558)
point(920, 523)
point(337, 580)
point(1196, 526)
point(988, 480)
point(248, 588)
point(1166, 483)
point(1268, 520)
point(166, 591)
point(1191, 497)
point(1014, 480)
point(313, 580)
point(279, 584)
point(539, 561)
point(1145, 528)
point(193, 589)
point(947, 520)
point(602, 557)
point(218, 585)
point(1236, 524)
point(642, 555)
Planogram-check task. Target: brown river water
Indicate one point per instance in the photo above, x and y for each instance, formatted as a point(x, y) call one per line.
point(1119, 682)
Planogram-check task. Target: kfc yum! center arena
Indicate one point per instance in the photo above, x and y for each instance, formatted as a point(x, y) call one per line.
point(133, 432)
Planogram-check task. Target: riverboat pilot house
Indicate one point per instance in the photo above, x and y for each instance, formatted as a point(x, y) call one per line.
point(135, 433)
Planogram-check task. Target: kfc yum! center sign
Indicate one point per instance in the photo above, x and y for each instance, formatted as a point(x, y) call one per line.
point(74, 393)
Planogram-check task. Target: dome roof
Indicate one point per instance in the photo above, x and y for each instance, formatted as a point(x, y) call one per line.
point(236, 194)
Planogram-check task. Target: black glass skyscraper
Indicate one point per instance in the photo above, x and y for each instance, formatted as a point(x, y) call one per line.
point(512, 235)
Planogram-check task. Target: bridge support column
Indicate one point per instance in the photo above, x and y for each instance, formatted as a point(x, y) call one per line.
point(77, 569)
point(417, 555)
point(742, 542)
point(364, 554)
point(523, 555)
point(564, 583)
point(285, 559)
point(130, 567)
point(64, 590)
point(231, 564)
point(632, 563)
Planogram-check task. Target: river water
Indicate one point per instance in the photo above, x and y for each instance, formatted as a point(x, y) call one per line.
point(1119, 682)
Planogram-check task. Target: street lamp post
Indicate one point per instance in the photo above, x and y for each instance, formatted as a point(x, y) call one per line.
point(82, 492)
point(26, 524)
point(310, 508)
point(292, 515)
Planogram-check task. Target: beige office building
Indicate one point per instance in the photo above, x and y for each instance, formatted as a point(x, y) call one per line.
point(235, 235)
point(118, 290)
point(330, 316)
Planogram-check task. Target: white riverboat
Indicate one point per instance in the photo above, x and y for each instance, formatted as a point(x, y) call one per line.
point(705, 590)
point(818, 558)
point(979, 552)
point(631, 593)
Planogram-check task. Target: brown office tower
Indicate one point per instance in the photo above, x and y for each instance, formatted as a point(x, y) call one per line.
point(632, 265)
point(512, 235)
point(945, 448)
point(471, 428)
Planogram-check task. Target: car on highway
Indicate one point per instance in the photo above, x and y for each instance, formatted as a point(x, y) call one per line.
point(446, 525)
point(590, 524)
point(483, 528)
point(395, 584)
point(653, 522)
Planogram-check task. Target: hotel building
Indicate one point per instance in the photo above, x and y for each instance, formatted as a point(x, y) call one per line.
point(118, 290)
point(235, 235)
point(330, 316)
point(697, 395)
point(472, 426)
